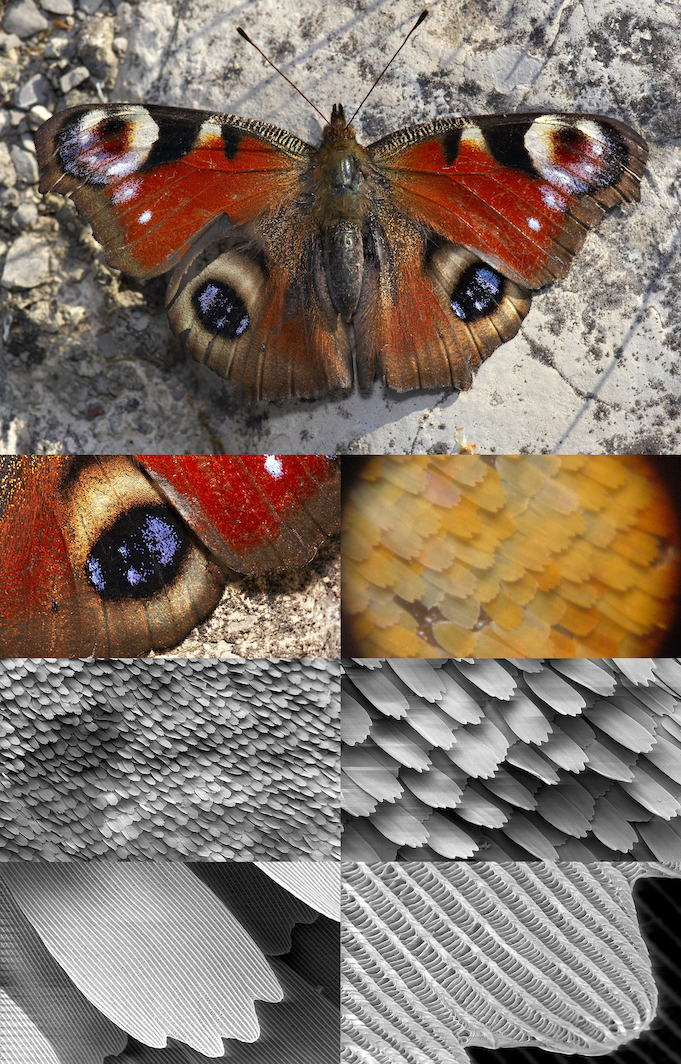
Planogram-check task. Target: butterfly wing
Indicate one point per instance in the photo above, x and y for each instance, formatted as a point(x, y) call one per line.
point(94, 561)
point(506, 201)
point(97, 554)
point(152, 181)
point(254, 513)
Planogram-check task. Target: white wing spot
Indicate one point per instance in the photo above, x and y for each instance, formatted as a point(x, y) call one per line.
point(144, 217)
point(534, 223)
point(126, 191)
point(274, 466)
point(553, 200)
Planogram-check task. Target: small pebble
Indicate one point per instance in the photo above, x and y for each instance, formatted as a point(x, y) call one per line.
point(23, 18)
point(28, 263)
point(57, 7)
point(73, 78)
point(25, 216)
point(25, 164)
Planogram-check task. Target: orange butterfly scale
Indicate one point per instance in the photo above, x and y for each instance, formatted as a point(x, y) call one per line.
point(517, 556)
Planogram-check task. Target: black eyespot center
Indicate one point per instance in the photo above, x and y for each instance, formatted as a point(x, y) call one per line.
point(138, 555)
point(220, 309)
point(479, 292)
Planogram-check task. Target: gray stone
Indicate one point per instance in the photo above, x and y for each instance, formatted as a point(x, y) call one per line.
point(5, 123)
point(57, 45)
point(25, 164)
point(37, 115)
point(57, 7)
point(28, 263)
point(37, 90)
point(23, 18)
point(25, 216)
point(95, 50)
point(74, 77)
point(8, 175)
point(10, 42)
point(120, 45)
point(88, 7)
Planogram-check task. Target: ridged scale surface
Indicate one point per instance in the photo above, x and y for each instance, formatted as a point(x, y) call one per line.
point(512, 759)
point(440, 956)
point(172, 758)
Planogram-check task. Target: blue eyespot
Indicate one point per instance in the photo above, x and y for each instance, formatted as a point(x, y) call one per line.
point(140, 554)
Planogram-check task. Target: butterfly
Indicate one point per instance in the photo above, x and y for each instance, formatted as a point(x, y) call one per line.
point(116, 555)
point(414, 257)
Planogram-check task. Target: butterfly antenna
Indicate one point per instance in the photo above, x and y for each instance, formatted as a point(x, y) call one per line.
point(242, 33)
point(420, 19)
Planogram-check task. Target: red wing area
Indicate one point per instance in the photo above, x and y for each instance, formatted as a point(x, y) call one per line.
point(36, 568)
point(255, 513)
point(520, 191)
point(150, 179)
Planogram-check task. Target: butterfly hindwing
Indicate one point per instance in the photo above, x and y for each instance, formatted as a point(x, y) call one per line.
point(95, 562)
point(268, 329)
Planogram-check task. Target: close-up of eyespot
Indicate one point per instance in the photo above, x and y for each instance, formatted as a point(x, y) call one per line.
point(128, 963)
point(523, 555)
point(113, 556)
point(170, 758)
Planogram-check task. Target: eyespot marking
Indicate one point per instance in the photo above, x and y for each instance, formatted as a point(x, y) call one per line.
point(478, 293)
point(221, 310)
point(101, 147)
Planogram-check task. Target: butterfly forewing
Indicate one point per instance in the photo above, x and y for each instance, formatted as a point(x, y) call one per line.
point(150, 179)
point(520, 191)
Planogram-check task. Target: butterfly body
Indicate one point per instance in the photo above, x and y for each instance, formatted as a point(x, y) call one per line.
point(415, 256)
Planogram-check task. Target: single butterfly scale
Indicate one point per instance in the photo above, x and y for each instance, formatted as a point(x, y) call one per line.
point(115, 555)
point(417, 254)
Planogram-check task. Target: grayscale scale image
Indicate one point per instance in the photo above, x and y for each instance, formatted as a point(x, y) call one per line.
point(451, 962)
point(169, 758)
point(159, 963)
point(511, 759)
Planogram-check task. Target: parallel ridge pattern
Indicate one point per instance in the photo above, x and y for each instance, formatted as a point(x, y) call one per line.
point(558, 556)
point(439, 956)
point(170, 758)
point(520, 759)
point(198, 954)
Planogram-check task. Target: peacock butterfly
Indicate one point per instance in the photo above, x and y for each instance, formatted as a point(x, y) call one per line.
point(116, 555)
point(419, 253)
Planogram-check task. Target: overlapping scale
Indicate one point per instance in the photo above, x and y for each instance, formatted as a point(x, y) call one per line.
point(563, 760)
point(471, 556)
point(169, 758)
point(441, 956)
point(186, 959)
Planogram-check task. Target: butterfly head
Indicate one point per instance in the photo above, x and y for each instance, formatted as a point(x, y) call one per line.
point(338, 128)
